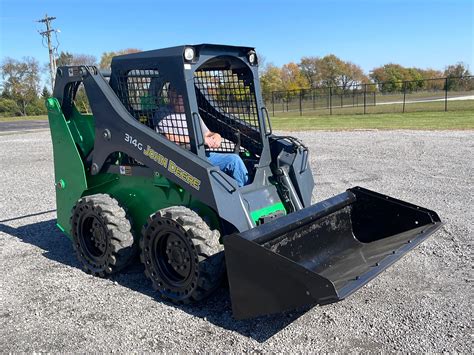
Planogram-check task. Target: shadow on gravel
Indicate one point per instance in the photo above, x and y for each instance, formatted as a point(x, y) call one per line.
point(216, 309)
point(46, 236)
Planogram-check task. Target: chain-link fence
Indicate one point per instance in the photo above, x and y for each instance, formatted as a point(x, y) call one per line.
point(441, 94)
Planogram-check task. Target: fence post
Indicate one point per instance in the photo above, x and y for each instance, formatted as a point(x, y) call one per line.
point(330, 100)
point(404, 95)
point(273, 103)
point(314, 101)
point(375, 98)
point(287, 100)
point(301, 102)
point(446, 94)
point(365, 98)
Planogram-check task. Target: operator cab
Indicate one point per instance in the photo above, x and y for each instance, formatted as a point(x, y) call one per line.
point(216, 85)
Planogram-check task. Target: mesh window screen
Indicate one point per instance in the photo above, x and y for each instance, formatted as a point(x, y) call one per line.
point(227, 105)
point(150, 100)
point(226, 100)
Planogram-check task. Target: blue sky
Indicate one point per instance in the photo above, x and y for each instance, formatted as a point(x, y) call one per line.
point(421, 33)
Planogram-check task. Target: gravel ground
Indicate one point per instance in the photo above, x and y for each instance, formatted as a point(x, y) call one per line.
point(422, 303)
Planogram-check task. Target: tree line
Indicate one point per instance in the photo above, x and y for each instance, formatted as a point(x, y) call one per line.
point(21, 93)
point(331, 71)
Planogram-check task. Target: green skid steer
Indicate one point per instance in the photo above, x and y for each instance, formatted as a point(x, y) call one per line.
point(124, 187)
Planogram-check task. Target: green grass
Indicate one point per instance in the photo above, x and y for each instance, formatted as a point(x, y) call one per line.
point(461, 120)
point(347, 120)
point(23, 118)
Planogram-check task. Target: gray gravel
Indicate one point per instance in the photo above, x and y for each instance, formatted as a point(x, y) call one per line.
point(422, 303)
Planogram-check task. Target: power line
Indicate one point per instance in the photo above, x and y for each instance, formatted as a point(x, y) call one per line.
point(47, 34)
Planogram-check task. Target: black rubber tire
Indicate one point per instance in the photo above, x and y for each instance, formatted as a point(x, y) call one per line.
point(191, 247)
point(102, 236)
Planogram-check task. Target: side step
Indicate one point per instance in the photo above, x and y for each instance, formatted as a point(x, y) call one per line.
point(323, 253)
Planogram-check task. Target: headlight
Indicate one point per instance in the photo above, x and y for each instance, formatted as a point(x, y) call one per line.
point(252, 57)
point(189, 53)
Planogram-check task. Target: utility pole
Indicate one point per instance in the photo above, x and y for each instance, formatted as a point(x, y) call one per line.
point(52, 60)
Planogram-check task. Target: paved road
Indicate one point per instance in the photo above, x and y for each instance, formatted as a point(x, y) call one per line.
point(422, 100)
point(23, 125)
point(421, 304)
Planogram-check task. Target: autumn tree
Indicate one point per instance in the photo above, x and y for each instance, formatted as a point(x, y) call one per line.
point(394, 77)
point(106, 58)
point(21, 83)
point(310, 68)
point(430, 73)
point(433, 79)
point(331, 70)
point(351, 74)
point(83, 59)
point(66, 58)
point(457, 70)
point(389, 77)
point(457, 77)
point(292, 78)
point(414, 79)
point(271, 80)
point(312, 72)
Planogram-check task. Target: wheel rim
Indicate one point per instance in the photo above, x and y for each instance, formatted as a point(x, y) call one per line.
point(93, 236)
point(173, 259)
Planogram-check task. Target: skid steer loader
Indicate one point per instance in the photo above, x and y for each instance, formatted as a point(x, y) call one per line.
point(122, 188)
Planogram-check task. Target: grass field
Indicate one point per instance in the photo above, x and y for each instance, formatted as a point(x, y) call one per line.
point(23, 118)
point(291, 121)
point(415, 120)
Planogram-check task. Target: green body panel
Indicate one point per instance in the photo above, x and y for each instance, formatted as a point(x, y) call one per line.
point(142, 196)
point(255, 215)
point(70, 178)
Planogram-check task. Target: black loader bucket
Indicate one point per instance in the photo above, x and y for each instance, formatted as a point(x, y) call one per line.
point(323, 253)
